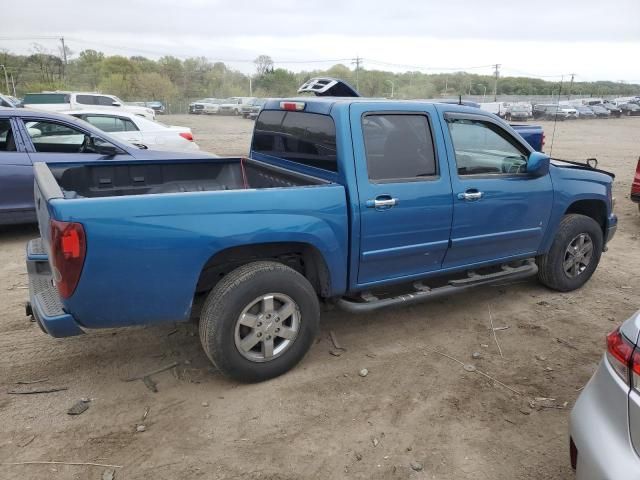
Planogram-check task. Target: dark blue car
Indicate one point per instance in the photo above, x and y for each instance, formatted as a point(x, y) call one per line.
point(29, 136)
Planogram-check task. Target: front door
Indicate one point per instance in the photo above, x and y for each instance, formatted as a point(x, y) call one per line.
point(500, 211)
point(56, 141)
point(403, 189)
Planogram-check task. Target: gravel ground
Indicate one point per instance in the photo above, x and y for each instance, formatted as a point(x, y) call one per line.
point(414, 409)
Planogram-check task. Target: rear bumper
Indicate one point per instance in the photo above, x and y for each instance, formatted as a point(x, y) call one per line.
point(635, 197)
point(44, 300)
point(599, 427)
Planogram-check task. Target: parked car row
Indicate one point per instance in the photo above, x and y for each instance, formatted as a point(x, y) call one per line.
point(566, 110)
point(248, 107)
point(217, 106)
point(129, 122)
point(605, 109)
point(155, 105)
point(59, 101)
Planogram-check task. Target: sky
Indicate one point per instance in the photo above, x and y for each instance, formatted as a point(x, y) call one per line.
point(594, 39)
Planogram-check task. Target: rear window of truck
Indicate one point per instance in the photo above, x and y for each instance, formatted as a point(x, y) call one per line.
point(305, 138)
point(48, 98)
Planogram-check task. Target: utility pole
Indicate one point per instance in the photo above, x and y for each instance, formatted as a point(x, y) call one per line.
point(496, 72)
point(13, 84)
point(6, 79)
point(64, 58)
point(357, 61)
point(392, 86)
point(570, 86)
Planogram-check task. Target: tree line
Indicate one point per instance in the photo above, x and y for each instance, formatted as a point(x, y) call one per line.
point(169, 78)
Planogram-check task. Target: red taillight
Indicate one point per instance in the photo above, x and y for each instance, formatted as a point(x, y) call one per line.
point(295, 106)
point(635, 185)
point(187, 136)
point(619, 352)
point(68, 249)
point(542, 144)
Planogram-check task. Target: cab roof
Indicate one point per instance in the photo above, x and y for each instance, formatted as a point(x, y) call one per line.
point(324, 105)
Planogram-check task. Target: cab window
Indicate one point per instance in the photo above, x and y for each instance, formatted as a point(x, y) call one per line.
point(398, 146)
point(483, 148)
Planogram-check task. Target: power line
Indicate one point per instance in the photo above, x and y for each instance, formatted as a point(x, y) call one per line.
point(422, 67)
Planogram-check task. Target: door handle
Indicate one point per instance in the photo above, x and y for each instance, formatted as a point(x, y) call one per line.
point(382, 202)
point(470, 196)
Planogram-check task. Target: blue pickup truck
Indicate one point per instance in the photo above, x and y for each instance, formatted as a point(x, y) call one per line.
point(357, 202)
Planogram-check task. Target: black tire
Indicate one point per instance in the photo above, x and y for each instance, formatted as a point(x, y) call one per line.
point(551, 271)
point(232, 295)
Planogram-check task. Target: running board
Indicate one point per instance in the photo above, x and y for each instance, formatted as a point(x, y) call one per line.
point(423, 293)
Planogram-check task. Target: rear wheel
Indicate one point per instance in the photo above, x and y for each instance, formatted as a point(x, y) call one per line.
point(259, 321)
point(574, 254)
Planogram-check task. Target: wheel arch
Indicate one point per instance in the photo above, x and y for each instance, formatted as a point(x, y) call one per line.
point(303, 257)
point(593, 208)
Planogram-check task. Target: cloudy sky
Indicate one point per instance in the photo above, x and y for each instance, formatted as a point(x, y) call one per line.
point(596, 39)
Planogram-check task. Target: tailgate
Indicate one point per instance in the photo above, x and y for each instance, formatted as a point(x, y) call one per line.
point(45, 189)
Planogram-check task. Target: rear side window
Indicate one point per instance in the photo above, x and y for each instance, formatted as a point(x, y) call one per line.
point(7, 143)
point(45, 98)
point(104, 101)
point(398, 146)
point(52, 137)
point(305, 138)
point(111, 124)
point(86, 99)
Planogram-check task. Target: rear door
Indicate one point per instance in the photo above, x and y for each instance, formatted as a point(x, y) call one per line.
point(404, 191)
point(500, 211)
point(16, 174)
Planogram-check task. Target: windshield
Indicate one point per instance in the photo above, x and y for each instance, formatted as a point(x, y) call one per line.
point(519, 108)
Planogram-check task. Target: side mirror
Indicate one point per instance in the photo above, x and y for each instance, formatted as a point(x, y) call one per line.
point(116, 104)
point(104, 148)
point(538, 164)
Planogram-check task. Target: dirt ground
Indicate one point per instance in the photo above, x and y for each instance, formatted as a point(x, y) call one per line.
point(322, 420)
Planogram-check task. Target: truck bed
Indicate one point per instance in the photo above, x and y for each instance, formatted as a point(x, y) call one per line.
point(151, 228)
point(124, 179)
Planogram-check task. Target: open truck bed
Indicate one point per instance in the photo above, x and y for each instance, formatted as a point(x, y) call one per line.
point(151, 229)
point(116, 179)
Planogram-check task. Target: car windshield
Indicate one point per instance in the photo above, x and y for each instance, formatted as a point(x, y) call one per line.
point(519, 108)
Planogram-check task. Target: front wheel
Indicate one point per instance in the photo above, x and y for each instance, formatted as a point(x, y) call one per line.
point(574, 254)
point(259, 321)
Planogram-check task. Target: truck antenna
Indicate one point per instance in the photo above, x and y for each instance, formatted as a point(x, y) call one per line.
point(555, 115)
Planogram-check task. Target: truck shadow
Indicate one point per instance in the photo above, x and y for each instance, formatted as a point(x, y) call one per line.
point(17, 232)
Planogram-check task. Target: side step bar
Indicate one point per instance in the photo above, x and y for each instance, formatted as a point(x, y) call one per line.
point(423, 293)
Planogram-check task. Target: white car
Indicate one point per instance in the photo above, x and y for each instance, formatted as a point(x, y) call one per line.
point(64, 101)
point(233, 105)
point(571, 113)
point(206, 106)
point(139, 131)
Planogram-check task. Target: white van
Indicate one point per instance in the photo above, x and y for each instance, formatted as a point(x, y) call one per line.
point(61, 101)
